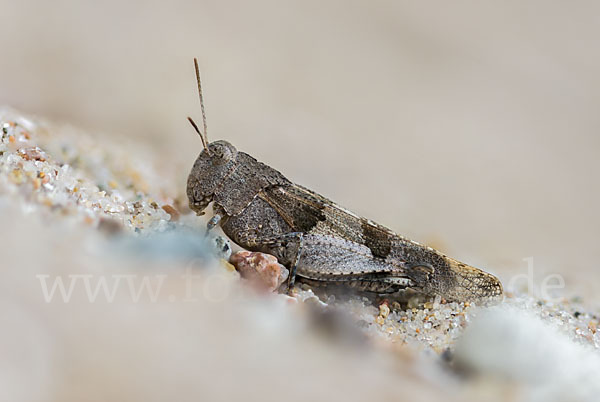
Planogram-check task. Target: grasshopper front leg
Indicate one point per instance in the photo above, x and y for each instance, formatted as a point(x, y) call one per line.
point(213, 222)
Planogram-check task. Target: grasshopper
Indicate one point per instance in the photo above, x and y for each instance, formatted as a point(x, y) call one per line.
point(319, 241)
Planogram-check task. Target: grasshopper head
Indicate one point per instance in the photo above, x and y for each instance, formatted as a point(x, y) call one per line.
point(216, 161)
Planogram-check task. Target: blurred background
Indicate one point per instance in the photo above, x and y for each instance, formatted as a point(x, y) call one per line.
point(472, 126)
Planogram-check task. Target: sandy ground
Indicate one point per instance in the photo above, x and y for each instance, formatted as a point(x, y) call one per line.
point(144, 311)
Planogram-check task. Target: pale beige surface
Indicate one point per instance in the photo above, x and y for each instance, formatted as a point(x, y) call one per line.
point(467, 123)
point(143, 316)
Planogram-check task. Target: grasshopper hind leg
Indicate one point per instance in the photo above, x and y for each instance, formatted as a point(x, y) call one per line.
point(322, 260)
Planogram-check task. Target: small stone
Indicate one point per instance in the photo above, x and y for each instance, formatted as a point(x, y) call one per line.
point(32, 154)
point(16, 176)
point(261, 269)
point(173, 213)
point(229, 267)
point(384, 310)
point(220, 247)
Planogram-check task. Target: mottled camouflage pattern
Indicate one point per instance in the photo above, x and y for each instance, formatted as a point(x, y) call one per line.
point(261, 210)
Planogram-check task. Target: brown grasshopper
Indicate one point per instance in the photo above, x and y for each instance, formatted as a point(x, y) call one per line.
point(319, 241)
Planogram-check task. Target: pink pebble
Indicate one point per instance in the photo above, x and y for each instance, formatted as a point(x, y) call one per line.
point(261, 269)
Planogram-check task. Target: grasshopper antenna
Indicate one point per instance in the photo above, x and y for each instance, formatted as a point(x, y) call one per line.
point(205, 136)
point(204, 144)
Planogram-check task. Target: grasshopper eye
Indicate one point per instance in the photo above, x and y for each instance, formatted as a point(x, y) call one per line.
point(225, 155)
point(221, 153)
